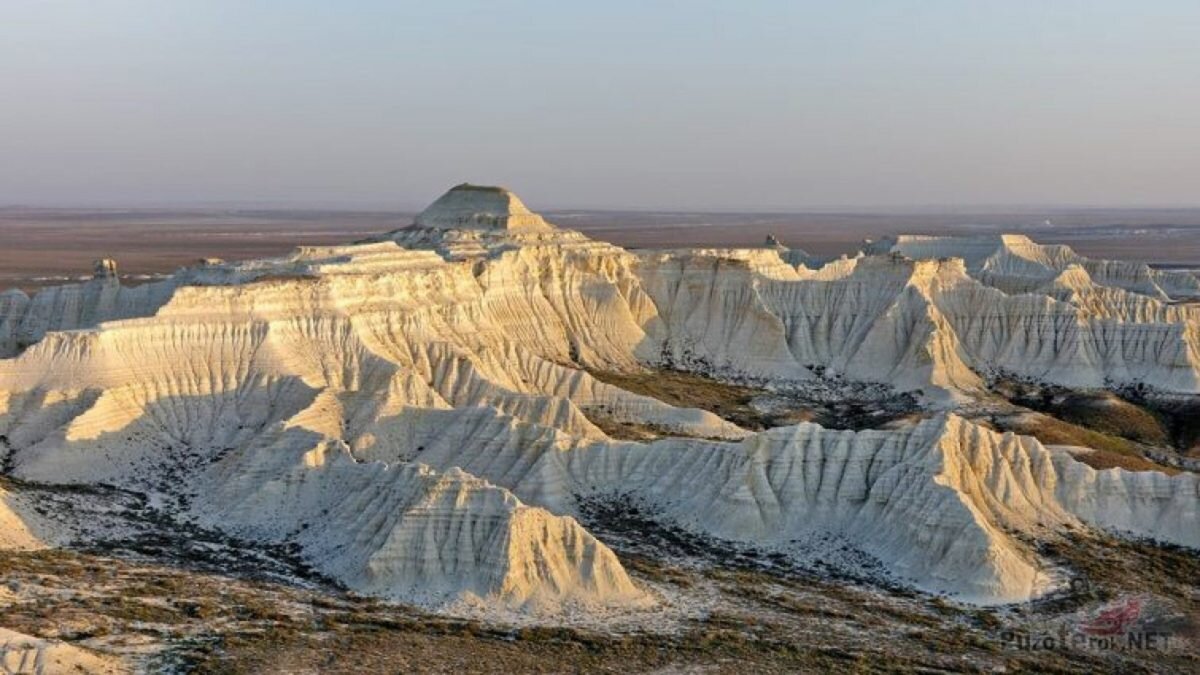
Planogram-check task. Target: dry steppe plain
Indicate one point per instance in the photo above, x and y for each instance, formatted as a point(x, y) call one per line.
point(48, 246)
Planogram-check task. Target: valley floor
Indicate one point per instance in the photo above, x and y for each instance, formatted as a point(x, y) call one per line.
point(169, 618)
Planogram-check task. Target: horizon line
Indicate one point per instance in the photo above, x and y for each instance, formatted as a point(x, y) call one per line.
point(383, 207)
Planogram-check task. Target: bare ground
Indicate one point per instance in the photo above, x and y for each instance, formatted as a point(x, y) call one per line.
point(760, 619)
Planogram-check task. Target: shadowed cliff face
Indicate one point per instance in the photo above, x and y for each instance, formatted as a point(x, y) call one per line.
point(413, 411)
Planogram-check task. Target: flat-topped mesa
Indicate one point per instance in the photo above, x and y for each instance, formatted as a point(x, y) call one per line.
point(484, 207)
point(104, 268)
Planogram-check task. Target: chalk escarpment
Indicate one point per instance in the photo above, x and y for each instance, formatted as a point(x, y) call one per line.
point(416, 413)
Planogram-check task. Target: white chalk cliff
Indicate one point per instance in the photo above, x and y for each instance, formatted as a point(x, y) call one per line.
point(415, 413)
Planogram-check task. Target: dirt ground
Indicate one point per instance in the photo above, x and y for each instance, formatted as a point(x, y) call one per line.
point(757, 617)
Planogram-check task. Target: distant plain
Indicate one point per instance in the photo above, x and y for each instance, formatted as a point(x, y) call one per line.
point(44, 246)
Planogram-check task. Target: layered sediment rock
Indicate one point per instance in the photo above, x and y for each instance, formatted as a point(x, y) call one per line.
point(414, 411)
point(480, 206)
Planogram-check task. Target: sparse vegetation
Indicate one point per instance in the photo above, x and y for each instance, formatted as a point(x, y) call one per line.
point(1108, 451)
point(688, 390)
point(1181, 416)
point(756, 408)
point(1101, 411)
point(1122, 433)
point(629, 431)
point(1109, 565)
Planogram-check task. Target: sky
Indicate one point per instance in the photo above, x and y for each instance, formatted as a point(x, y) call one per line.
point(738, 105)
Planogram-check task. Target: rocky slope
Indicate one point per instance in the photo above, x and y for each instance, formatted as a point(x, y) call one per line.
point(414, 412)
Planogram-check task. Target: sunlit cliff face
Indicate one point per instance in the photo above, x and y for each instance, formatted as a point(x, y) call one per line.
point(416, 411)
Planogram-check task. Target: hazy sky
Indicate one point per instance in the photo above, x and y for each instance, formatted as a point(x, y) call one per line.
point(702, 105)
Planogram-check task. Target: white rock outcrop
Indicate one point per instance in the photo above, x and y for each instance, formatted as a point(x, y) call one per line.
point(916, 324)
point(415, 411)
point(483, 206)
point(939, 503)
point(1016, 264)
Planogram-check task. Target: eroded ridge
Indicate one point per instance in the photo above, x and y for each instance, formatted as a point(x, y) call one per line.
point(415, 412)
